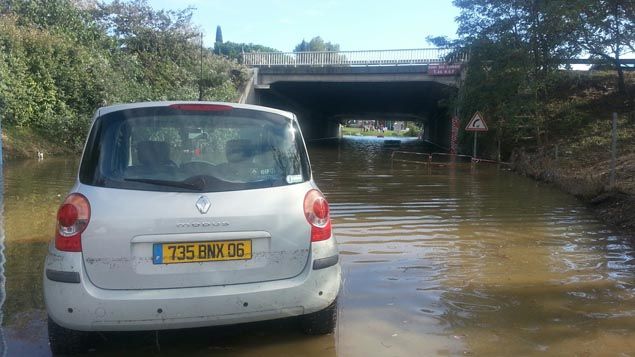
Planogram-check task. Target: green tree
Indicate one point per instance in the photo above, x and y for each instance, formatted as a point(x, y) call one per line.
point(52, 83)
point(302, 47)
point(316, 44)
point(516, 49)
point(219, 35)
point(605, 29)
point(143, 31)
point(60, 61)
point(57, 16)
point(235, 50)
point(161, 50)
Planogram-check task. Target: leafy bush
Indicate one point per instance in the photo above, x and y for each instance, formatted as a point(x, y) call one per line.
point(413, 130)
point(59, 62)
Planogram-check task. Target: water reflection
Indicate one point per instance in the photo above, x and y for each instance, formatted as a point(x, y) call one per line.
point(474, 260)
point(439, 260)
point(33, 190)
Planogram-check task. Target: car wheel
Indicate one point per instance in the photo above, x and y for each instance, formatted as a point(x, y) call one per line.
point(64, 341)
point(321, 322)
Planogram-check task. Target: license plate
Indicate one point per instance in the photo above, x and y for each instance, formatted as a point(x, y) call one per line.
point(192, 252)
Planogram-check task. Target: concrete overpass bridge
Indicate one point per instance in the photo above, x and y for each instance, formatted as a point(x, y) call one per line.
point(326, 88)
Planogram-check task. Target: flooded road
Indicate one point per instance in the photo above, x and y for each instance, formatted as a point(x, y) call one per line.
point(437, 260)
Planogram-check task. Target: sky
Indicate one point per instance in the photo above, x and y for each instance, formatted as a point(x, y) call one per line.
point(353, 24)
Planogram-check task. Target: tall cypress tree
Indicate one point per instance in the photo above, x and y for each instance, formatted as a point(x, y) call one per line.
point(219, 35)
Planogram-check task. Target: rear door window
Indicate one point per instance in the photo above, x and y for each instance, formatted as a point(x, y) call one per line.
point(167, 149)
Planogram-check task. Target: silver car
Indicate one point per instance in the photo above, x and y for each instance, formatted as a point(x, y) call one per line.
point(188, 214)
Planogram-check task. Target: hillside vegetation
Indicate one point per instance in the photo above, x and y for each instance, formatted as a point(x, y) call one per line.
point(578, 157)
point(551, 123)
point(517, 53)
point(61, 59)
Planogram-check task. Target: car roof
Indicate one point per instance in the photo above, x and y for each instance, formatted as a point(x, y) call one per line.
point(124, 106)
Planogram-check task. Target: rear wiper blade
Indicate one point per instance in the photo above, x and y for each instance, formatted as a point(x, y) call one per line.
point(178, 184)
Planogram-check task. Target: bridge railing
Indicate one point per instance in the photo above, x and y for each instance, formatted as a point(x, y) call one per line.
point(351, 58)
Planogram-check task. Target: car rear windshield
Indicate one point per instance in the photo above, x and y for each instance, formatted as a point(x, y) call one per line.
point(206, 149)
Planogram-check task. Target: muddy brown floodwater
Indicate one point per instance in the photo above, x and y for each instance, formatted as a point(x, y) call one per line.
point(443, 261)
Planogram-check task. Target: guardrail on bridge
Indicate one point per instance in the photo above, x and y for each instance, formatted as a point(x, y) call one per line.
point(352, 58)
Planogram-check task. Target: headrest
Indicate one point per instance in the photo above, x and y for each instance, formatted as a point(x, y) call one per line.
point(238, 150)
point(153, 152)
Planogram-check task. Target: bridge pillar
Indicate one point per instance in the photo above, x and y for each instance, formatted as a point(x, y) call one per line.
point(315, 127)
point(426, 131)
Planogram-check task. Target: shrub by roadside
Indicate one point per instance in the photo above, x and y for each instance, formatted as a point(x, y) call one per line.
point(62, 59)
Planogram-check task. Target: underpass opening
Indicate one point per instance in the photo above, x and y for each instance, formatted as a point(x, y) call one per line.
point(322, 106)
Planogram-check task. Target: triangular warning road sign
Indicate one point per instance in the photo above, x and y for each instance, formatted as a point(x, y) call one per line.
point(477, 123)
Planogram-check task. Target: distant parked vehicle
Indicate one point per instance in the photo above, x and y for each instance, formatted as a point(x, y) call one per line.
point(189, 214)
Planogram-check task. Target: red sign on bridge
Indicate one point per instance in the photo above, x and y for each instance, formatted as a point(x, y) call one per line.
point(444, 69)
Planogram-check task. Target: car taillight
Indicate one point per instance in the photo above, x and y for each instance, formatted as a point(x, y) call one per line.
point(316, 211)
point(72, 218)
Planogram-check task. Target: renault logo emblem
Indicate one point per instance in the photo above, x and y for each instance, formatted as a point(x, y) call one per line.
point(203, 204)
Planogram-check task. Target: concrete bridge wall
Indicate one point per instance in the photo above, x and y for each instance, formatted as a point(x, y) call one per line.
point(321, 97)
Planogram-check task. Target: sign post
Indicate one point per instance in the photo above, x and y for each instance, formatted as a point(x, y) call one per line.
point(476, 124)
point(454, 135)
point(613, 151)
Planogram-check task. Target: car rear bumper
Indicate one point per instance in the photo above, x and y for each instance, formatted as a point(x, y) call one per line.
point(83, 306)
